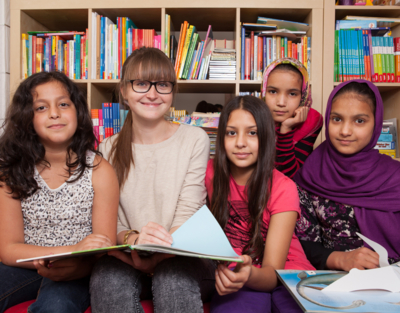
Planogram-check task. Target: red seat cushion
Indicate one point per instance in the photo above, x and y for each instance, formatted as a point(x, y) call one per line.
point(147, 306)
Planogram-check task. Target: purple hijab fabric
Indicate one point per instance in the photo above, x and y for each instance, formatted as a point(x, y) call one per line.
point(367, 180)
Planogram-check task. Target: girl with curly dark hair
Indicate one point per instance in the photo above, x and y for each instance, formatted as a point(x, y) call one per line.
point(57, 195)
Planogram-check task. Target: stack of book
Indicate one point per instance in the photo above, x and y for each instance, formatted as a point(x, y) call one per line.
point(64, 51)
point(365, 50)
point(223, 63)
point(108, 120)
point(190, 55)
point(270, 39)
point(113, 42)
point(387, 142)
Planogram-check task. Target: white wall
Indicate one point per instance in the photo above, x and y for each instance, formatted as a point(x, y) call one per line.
point(4, 57)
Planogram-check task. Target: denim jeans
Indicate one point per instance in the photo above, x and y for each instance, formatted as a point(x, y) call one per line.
point(179, 284)
point(19, 285)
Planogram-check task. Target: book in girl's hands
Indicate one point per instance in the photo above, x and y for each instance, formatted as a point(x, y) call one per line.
point(200, 236)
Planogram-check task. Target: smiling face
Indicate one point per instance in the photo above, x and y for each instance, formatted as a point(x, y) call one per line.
point(55, 117)
point(283, 94)
point(351, 124)
point(149, 106)
point(241, 142)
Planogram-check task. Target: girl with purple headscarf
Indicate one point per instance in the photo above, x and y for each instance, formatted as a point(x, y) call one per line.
point(346, 186)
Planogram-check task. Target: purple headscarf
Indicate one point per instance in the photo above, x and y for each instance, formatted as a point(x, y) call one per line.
point(367, 180)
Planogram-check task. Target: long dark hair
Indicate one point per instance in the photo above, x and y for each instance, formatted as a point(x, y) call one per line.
point(20, 147)
point(146, 64)
point(259, 185)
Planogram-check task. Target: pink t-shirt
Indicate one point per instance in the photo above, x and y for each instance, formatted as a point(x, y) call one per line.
point(284, 197)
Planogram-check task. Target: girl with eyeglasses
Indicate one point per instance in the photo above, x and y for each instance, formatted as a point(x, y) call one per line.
point(160, 168)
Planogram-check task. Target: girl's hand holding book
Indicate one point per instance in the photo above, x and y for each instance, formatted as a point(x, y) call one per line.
point(228, 281)
point(93, 241)
point(66, 269)
point(362, 258)
point(154, 233)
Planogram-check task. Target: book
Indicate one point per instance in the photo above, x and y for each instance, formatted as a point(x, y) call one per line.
point(290, 25)
point(200, 236)
point(306, 288)
point(381, 21)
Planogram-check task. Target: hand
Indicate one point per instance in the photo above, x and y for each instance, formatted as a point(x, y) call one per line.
point(300, 115)
point(362, 258)
point(227, 281)
point(154, 233)
point(145, 265)
point(66, 269)
point(93, 241)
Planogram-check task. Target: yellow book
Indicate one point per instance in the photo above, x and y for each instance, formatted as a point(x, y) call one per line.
point(188, 39)
point(24, 65)
point(391, 153)
point(304, 40)
point(168, 35)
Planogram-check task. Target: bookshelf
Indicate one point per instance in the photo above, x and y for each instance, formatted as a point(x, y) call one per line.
point(390, 91)
point(225, 17)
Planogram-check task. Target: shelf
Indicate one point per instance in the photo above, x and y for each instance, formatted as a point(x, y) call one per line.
point(381, 86)
point(206, 86)
point(377, 11)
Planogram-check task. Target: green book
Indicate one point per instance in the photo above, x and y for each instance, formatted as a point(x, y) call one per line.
point(192, 47)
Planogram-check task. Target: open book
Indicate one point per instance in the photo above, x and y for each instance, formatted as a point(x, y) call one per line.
point(374, 290)
point(200, 236)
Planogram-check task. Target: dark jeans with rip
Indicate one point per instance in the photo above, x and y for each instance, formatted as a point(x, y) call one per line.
point(179, 284)
point(18, 285)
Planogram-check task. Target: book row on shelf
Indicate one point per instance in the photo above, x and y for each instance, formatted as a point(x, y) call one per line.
point(113, 42)
point(270, 39)
point(197, 59)
point(63, 51)
point(365, 49)
point(108, 120)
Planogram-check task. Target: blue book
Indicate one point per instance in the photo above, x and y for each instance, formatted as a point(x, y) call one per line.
point(385, 137)
point(102, 47)
point(77, 56)
point(242, 56)
point(122, 117)
point(30, 56)
point(349, 24)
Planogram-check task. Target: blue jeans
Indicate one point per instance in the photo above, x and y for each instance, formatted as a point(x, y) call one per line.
point(19, 285)
point(179, 284)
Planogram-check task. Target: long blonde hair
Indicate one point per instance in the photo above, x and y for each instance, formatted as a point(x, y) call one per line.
point(146, 64)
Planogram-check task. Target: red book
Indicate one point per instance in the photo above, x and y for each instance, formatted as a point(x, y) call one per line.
point(247, 59)
point(140, 38)
point(260, 55)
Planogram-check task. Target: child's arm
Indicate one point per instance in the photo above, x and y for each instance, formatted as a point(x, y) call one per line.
point(104, 226)
point(290, 156)
point(280, 232)
point(12, 242)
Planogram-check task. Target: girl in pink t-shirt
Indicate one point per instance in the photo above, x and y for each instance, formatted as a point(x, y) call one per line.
point(257, 206)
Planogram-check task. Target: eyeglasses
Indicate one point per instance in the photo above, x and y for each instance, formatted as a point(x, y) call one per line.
point(143, 86)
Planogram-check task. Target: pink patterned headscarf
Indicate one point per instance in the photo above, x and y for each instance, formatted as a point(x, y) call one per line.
point(306, 99)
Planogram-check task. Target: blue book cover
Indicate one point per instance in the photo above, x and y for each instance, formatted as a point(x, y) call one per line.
point(77, 56)
point(242, 52)
point(102, 47)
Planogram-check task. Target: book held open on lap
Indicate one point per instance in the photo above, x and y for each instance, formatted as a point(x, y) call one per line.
point(200, 236)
